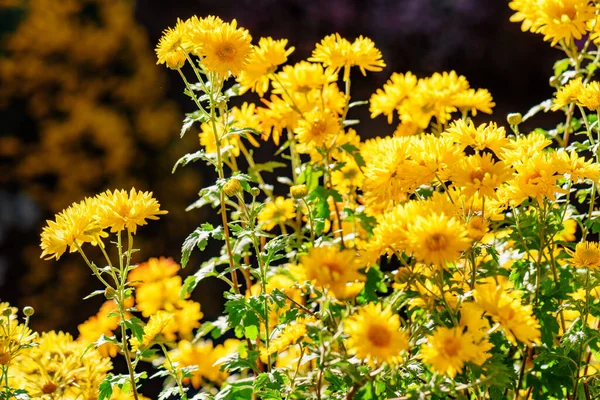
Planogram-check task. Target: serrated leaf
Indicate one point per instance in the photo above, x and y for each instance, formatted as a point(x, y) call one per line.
point(199, 238)
point(192, 157)
point(135, 325)
point(545, 106)
point(269, 166)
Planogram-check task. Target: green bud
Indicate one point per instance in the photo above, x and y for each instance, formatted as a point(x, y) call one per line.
point(109, 293)
point(254, 191)
point(28, 311)
point(298, 191)
point(514, 118)
point(232, 187)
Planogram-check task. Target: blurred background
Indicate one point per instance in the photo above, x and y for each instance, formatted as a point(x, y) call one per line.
point(84, 108)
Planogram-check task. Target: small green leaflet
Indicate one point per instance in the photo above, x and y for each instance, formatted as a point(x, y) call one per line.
point(199, 238)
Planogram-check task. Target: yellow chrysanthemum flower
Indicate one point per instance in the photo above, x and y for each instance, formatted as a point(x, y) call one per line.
point(71, 228)
point(301, 78)
point(279, 211)
point(505, 307)
point(336, 52)
point(448, 349)
point(197, 29)
point(329, 267)
point(290, 335)
point(152, 331)
point(480, 174)
point(589, 96)
point(245, 117)
point(60, 368)
point(472, 100)
point(225, 49)
point(437, 239)
point(567, 94)
point(317, 127)
point(228, 145)
point(153, 270)
point(385, 101)
point(263, 61)
point(374, 335)
point(348, 177)
point(586, 255)
point(524, 147)
point(171, 49)
point(101, 324)
point(485, 136)
point(120, 210)
point(204, 356)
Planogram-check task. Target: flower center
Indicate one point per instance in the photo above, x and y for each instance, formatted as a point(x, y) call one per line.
point(49, 387)
point(379, 335)
point(4, 358)
point(477, 174)
point(589, 256)
point(451, 346)
point(226, 52)
point(437, 242)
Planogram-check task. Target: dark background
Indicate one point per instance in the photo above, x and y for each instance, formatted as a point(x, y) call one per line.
point(472, 37)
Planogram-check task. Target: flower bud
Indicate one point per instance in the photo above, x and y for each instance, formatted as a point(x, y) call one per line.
point(403, 275)
point(298, 191)
point(28, 311)
point(232, 187)
point(514, 118)
point(109, 293)
point(254, 191)
point(7, 312)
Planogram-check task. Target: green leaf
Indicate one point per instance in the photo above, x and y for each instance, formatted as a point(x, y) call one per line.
point(545, 106)
point(192, 157)
point(355, 153)
point(561, 66)
point(269, 166)
point(196, 116)
point(135, 325)
point(358, 103)
point(373, 285)
point(199, 238)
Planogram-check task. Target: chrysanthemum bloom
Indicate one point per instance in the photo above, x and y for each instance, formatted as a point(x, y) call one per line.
point(337, 52)
point(329, 267)
point(385, 101)
point(263, 61)
point(485, 136)
point(170, 49)
point(292, 333)
point(348, 177)
point(202, 355)
point(101, 324)
point(228, 145)
point(586, 255)
point(480, 174)
point(60, 368)
point(505, 307)
point(567, 94)
point(301, 78)
point(448, 349)
point(153, 329)
point(524, 147)
point(577, 168)
point(437, 239)
point(556, 19)
point(71, 228)
point(374, 335)
point(279, 211)
point(472, 101)
point(225, 49)
point(197, 29)
point(318, 127)
point(153, 270)
point(589, 96)
point(120, 210)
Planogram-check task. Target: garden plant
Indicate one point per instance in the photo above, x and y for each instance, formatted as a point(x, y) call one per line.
point(442, 259)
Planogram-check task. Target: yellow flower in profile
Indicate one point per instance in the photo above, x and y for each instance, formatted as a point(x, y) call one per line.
point(263, 61)
point(279, 211)
point(225, 49)
point(505, 307)
point(152, 331)
point(120, 210)
point(586, 255)
point(329, 267)
point(245, 117)
point(437, 239)
point(480, 174)
point(301, 78)
point(385, 101)
point(290, 335)
point(472, 100)
point(374, 335)
point(589, 96)
point(71, 228)
point(336, 52)
point(567, 94)
point(170, 49)
point(448, 349)
point(318, 127)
